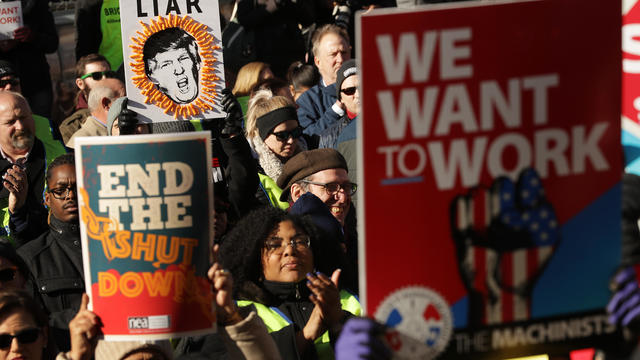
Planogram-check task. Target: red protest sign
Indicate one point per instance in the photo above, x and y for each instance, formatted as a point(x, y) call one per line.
point(490, 161)
point(631, 63)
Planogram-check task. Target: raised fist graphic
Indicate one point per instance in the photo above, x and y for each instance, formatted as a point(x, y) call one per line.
point(504, 237)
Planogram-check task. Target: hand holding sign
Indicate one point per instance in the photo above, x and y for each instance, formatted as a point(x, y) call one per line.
point(84, 330)
point(504, 237)
point(222, 282)
point(23, 34)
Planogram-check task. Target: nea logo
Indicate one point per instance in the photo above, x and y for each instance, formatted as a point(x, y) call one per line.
point(138, 322)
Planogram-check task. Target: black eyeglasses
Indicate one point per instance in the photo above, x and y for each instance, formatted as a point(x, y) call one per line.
point(62, 192)
point(26, 336)
point(277, 245)
point(8, 274)
point(349, 91)
point(98, 75)
point(284, 135)
point(12, 82)
point(333, 188)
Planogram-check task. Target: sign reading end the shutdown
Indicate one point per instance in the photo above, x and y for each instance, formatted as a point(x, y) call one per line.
point(147, 233)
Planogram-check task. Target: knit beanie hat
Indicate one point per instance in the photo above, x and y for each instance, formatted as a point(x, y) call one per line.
point(347, 69)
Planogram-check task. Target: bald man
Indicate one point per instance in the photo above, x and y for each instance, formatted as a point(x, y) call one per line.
point(23, 161)
point(100, 100)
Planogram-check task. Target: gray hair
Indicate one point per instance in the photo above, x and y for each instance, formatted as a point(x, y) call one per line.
point(97, 94)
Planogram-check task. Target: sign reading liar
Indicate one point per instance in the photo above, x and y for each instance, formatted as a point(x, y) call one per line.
point(10, 18)
point(505, 160)
point(172, 54)
point(146, 234)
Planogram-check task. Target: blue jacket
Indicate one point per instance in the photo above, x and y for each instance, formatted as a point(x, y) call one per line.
point(314, 112)
point(347, 146)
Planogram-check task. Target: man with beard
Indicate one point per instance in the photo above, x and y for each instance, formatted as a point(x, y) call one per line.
point(54, 258)
point(172, 63)
point(23, 164)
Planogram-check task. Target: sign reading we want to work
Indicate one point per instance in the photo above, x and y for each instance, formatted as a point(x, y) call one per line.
point(147, 233)
point(492, 130)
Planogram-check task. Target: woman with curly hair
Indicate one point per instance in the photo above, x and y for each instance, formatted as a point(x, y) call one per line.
point(279, 262)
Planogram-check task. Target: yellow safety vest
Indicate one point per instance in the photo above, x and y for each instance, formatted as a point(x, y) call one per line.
point(275, 320)
point(111, 44)
point(273, 191)
point(52, 149)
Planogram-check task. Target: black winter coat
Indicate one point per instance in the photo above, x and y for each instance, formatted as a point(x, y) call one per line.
point(54, 260)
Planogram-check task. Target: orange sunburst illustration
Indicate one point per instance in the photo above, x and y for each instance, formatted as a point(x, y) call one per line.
point(205, 41)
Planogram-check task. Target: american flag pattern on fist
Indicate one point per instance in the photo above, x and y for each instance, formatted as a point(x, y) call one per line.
point(504, 236)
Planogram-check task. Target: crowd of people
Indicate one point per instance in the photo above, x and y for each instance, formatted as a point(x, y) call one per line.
point(284, 276)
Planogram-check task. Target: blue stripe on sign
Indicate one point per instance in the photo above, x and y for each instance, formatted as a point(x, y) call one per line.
point(398, 181)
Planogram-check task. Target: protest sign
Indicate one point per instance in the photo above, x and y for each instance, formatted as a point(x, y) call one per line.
point(631, 85)
point(146, 206)
point(489, 165)
point(172, 54)
point(10, 18)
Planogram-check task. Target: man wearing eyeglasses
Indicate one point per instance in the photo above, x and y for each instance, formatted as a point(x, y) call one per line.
point(91, 71)
point(54, 258)
point(322, 172)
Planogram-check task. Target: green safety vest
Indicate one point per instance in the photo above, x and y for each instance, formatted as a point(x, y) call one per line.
point(273, 192)
point(197, 124)
point(244, 104)
point(275, 320)
point(52, 149)
point(111, 44)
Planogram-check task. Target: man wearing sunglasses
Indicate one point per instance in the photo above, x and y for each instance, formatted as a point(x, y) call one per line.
point(349, 95)
point(91, 71)
point(9, 80)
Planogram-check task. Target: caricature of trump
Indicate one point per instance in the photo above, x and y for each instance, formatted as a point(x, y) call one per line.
point(172, 63)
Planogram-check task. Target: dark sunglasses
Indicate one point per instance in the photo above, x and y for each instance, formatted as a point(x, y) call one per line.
point(284, 135)
point(12, 82)
point(8, 274)
point(349, 91)
point(98, 75)
point(26, 336)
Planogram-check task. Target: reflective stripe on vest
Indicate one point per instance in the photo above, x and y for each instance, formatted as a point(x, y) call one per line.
point(111, 44)
point(275, 320)
point(197, 124)
point(272, 191)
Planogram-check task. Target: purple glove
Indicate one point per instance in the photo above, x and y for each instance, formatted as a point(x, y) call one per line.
point(361, 339)
point(624, 306)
